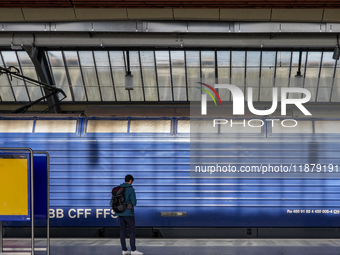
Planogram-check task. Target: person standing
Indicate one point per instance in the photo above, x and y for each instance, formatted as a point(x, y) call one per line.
point(127, 218)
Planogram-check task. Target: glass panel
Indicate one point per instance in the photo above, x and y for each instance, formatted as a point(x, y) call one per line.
point(312, 73)
point(118, 70)
point(61, 81)
point(91, 84)
point(253, 59)
point(336, 84)
point(268, 59)
point(72, 63)
point(24, 59)
point(17, 84)
point(223, 64)
point(238, 68)
point(56, 58)
point(28, 70)
point(326, 77)
point(297, 81)
point(178, 75)
point(163, 74)
point(314, 59)
point(77, 84)
point(149, 75)
point(33, 89)
point(104, 75)
point(90, 76)
point(10, 58)
point(101, 58)
point(5, 88)
point(137, 94)
point(267, 75)
point(295, 60)
point(208, 66)
point(253, 73)
point(283, 68)
point(59, 73)
point(106, 86)
point(20, 93)
point(238, 58)
point(71, 58)
point(193, 68)
point(86, 58)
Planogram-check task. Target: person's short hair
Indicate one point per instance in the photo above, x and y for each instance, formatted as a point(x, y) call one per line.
point(128, 178)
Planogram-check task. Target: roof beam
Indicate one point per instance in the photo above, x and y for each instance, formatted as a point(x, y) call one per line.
point(189, 41)
point(170, 27)
point(40, 63)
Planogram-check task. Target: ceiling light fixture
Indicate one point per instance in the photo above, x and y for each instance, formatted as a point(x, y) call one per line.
point(336, 53)
point(128, 75)
point(298, 76)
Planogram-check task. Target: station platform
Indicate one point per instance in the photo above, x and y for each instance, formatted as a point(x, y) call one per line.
point(99, 246)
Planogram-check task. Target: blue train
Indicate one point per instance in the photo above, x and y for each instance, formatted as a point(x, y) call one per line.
point(89, 156)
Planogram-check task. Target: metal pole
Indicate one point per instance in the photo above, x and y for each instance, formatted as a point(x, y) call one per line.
point(128, 60)
point(32, 201)
point(1, 237)
point(48, 203)
point(48, 198)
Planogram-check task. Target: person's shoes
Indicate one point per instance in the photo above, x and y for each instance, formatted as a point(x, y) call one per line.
point(126, 253)
point(136, 252)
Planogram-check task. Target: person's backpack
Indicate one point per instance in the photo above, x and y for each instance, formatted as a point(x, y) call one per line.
point(118, 200)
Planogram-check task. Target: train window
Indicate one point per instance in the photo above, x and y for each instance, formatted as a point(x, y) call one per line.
point(242, 127)
point(303, 127)
point(107, 126)
point(327, 127)
point(203, 127)
point(55, 126)
point(16, 126)
point(150, 126)
point(183, 126)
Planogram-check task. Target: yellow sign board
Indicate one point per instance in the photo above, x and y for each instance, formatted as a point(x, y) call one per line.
point(13, 186)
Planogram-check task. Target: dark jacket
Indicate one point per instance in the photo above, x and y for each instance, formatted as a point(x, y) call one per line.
point(130, 197)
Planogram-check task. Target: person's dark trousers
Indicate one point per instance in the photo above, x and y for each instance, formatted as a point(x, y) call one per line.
point(124, 222)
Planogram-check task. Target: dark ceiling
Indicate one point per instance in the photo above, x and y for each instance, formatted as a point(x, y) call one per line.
point(267, 4)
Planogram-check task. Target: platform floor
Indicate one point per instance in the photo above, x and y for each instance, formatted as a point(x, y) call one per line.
point(162, 246)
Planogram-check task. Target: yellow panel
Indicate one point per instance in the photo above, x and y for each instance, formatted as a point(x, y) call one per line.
point(13, 187)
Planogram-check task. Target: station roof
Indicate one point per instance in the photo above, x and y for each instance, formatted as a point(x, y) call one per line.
point(166, 75)
point(170, 4)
